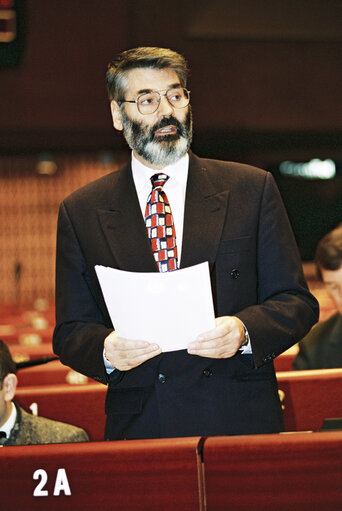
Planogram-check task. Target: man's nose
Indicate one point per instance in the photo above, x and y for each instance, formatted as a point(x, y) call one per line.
point(165, 108)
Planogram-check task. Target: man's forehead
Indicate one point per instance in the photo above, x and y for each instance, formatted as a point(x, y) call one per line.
point(141, 79)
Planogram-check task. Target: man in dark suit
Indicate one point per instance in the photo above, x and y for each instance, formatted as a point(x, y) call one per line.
point(228, 214)
point(17, 427)
point(322, 347)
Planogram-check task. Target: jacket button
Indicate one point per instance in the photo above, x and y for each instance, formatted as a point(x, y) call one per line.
point(235, 274)
point(207, 372)
point(161, 378)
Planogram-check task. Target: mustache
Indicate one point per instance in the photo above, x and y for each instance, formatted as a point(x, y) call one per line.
point(138, 130)
point(167, 121)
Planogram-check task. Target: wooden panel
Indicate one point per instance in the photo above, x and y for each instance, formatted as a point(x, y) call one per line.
point(310, 397)
point(28, 218)
point(22, 353)
point(300, 472)
point(284, 361)
point(129, 475)
point(82, 405)
point(51, 373)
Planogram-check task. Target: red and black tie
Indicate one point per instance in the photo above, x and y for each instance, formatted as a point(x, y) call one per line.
point(160, 226)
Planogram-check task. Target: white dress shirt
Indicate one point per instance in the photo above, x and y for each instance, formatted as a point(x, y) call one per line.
point(8, 426)
point(175, 188)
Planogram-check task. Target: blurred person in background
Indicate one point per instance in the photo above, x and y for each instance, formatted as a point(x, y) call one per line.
point(321, 348)
point(18, 427)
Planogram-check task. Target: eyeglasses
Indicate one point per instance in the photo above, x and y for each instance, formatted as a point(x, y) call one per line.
point(148, 102)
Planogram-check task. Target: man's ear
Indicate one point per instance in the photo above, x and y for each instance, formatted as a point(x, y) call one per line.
point(9, 386)
point(116, 115)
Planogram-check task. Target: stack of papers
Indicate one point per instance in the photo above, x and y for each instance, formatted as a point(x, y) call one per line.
point(170, 309)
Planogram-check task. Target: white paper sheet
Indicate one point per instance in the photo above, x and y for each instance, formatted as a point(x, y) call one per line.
point(170, 309)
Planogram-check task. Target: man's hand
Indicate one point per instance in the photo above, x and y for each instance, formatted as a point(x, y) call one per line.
point(223, 341)
point(125, 354)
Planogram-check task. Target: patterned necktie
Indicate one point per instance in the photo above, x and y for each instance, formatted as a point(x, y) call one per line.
point(160, 226)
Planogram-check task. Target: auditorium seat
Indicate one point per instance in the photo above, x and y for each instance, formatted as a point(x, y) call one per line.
point(128, 475)
point(21, 353)
point(284, 361)
point(26, 335)
point(50, 373)
point(297, 472)
point(28, 325)
point(310, 397)
point(81, 405)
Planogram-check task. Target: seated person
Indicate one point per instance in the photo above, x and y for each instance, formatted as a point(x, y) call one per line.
point(322, 346)
point(18, 427)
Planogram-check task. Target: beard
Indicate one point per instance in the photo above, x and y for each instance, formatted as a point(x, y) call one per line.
point(160, 150)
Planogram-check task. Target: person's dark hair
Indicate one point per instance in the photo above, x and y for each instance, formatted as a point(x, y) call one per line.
point(329, 251)
point(7, 364)
point(143, 57)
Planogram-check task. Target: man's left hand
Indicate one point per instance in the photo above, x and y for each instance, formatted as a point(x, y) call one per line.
point(223, 341)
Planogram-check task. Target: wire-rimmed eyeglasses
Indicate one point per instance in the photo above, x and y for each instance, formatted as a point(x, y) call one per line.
point(148, 102)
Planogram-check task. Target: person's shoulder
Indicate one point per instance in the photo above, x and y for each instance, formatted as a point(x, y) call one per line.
point(232, 175)
point(328, 323)
point(226, 166)
point(98, 189)
point(41, 430)
point(229, 169)
point(319, 331)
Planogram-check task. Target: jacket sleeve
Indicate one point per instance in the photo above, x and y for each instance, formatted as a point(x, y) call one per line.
point(80, 325)
point(286, 310)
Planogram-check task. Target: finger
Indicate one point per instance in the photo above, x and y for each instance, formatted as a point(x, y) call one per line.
point(126, 344)
point(113, 340)
point(222, 328)
point(214, 353)
point(207, 344)
point(125, 364)
point(140, 352)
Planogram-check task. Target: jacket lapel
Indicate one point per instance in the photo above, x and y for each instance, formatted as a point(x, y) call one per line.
point(124, 227)
point(204, 216)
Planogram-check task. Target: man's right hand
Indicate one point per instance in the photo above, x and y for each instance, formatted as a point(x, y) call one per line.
point(125, 354)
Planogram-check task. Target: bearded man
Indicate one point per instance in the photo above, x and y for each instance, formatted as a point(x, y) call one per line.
point(228, 214)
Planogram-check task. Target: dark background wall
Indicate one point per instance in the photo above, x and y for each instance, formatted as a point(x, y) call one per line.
point(271, 69)
point(265, 84)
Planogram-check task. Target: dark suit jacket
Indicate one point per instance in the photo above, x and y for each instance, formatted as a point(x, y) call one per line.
point(31, 430)
point(235, 219)
point(322, 347)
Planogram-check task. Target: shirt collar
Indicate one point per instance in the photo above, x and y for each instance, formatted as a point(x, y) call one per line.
point(142, 174)
point(7, 427)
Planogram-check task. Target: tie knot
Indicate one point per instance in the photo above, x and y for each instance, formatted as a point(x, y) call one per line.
point(159, 180)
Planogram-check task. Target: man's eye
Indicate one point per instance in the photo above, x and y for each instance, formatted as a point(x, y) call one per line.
point(176, 97)
point(147, 100)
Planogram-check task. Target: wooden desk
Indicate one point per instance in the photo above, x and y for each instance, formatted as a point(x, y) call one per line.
point(310, 397)
point(286, 472)
point(128, 475)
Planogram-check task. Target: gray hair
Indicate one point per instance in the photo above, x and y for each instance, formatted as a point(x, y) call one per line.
point(142, 57)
